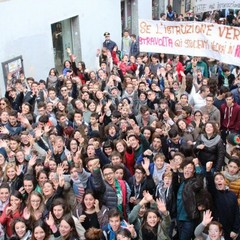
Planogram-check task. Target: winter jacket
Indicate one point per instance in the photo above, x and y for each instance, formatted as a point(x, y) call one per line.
point(214, 114)
point(230, 117)
point(233, 182)
point(213, 150)
point(162, 232)
point(6, 220)
point(225, 207)
point(191, 187)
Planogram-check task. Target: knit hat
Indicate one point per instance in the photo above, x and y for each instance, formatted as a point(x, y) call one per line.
point(233, 139)
point(4, 153)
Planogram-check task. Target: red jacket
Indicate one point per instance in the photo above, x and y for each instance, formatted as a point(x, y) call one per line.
point(230, 117)
point(6, 220)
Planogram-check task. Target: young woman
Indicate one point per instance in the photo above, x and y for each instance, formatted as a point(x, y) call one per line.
point(90, 213)
point(59, 208)
point(21, 161)
point(215, 231)
point(13, 176)
point(67, 228)
point(11, 211)
point(186, 131)
point(127, 154)
point(20, 230)
point(152, 227)
point(35, 207)
point(52, 78)
point(29, 184)
point(41, 179)
point(232, 176)
point(210, 147)
point(5, 105)
point(50, 193)
point(41, 231)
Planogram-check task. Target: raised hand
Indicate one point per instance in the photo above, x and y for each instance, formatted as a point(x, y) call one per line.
point(207, 217)
point(50, 220)
point(96, 205)
point(209, 166)
point(161, 206)
point(146, 163)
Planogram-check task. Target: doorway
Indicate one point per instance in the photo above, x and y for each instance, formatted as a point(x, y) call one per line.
point(63, 38)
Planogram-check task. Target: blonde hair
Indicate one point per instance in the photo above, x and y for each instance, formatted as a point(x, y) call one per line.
point(8, 166)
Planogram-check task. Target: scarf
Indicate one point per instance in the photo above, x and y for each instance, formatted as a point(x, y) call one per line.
point(210, 142)
point(230, 177)
point(119, 195)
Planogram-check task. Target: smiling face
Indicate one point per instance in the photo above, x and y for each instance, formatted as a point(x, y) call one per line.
point(11, 173)
point(152, 219)
point(64, 228)
point(159, 162)
point(4, 194)
point(108, 174)
point(115, 223)
point(39, 233)
point(188, 171)
point(214, 232)
point(48, 189)
point(20, 229)
point(35, 202)
point(28, 186)
point(89, 201)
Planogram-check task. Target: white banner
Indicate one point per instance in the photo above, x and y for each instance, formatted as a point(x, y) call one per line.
point(206, 5)
point(216, 41)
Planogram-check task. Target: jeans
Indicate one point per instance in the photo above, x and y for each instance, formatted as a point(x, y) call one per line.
point(186, 229)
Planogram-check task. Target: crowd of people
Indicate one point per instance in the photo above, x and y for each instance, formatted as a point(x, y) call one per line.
point(146, 147)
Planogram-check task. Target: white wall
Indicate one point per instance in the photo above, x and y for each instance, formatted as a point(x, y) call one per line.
point(26, 30)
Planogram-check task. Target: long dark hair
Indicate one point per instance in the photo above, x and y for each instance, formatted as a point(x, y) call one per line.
point(61, 202)
point(144, 222)
point(40, 223)
point(69, 219)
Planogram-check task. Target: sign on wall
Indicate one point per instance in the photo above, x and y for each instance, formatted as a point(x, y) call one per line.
point(206, 5)
point(13, 67)
point(216, 41)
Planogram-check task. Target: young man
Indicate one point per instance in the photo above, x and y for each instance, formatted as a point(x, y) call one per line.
point(115, 224)
point(230, 116)
point(115, 191)
point(134, 48)
point(140, 182)
point(213, 112)
point(126, 42)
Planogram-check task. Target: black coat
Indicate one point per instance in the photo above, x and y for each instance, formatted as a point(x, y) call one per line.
point(215, 154)
point(192, 187)
point(225, 207)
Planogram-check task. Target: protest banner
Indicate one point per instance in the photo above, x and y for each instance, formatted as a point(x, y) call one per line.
point(211, 40)
point(206, 5)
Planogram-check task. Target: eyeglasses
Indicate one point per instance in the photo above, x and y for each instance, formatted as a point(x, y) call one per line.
point(138, 172)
